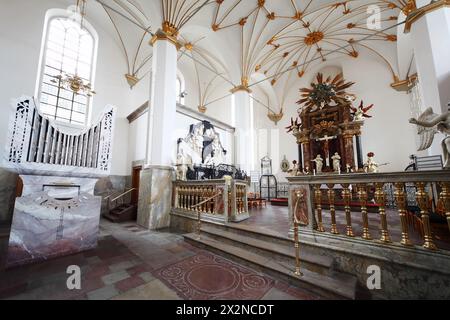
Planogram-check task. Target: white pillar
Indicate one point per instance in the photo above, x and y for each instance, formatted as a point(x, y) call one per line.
point(243, 131)
point(155, 191)
point(430, 35)
point(163, 104)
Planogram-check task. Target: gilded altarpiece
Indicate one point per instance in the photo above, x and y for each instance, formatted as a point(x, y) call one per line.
point(327, 131)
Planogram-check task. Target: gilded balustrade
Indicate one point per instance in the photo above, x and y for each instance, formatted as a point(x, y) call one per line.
point(358, 192)
point(220, 200)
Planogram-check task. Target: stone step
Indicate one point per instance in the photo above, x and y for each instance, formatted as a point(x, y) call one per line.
point(279, 251)
point(122, 215)
point(337, 286)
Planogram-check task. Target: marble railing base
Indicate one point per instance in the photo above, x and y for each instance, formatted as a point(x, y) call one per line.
point(194, 216)
point(155, 197)
point(406, 273)
point(240, 217)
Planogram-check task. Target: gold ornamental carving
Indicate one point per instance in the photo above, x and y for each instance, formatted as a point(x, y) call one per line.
point(416, 14)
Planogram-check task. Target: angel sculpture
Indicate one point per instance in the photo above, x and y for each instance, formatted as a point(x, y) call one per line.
point(430, 123)
point(360, 113)
point(295, 126)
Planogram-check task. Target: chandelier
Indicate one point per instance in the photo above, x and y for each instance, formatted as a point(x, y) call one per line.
point(75, 84)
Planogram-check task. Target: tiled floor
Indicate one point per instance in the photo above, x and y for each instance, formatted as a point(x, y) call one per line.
point(134, 263)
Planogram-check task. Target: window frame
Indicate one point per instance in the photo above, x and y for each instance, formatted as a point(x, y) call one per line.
point(180, 79)
point(50, 16)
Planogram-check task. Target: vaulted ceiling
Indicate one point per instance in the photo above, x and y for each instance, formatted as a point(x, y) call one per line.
point(254, 42)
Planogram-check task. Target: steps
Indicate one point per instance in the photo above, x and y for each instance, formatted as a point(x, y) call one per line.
point(276, 256)
point(123, 213)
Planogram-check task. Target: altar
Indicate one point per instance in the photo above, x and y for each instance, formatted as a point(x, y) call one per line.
point(329, 130)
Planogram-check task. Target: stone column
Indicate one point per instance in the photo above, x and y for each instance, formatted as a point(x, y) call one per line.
point(244, 155)
point(155, 193)
point(429, 26)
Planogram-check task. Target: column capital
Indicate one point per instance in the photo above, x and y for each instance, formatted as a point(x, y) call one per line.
point(418, 13)
point(242, 87)
point(163, 35)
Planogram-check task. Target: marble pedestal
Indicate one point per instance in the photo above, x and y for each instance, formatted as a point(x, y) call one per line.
point(55, 216)
point(155, 197)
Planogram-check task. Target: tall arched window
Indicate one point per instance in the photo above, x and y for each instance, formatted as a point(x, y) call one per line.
point(181, 89)
point(68, 51)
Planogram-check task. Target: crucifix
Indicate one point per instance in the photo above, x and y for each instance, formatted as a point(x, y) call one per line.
point(326, 139)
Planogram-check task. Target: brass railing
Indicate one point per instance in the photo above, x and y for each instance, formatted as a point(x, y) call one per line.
point(430, 187)
point(117, 200)
point(219, 200)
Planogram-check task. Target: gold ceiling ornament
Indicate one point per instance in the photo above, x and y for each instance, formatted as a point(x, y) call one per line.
point(275, 117)
point(406, 84)
point(74, 83)
point(313, 37)
point(176, 13)
point(418, 13)
point(244, 86)
point(189, 46)
point(161, 35)
point(132, 80)
point(202, 109)
point(170, 29)
point(409, 6)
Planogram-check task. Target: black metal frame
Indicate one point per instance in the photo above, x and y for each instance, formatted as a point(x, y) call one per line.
point(204, 172)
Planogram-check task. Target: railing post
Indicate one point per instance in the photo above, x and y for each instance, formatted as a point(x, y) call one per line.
point(347, 196)
point(299, 197)
point(422, 201)
point(331, 198)
point(380, 198)
point(445, 198)
point(400, 199)
point(362, 196)
point(318, 200)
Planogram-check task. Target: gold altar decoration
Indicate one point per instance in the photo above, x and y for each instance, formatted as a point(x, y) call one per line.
point(323, 92)
point(325, 125)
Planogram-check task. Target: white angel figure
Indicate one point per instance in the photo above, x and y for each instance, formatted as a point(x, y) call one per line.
point(430, 123)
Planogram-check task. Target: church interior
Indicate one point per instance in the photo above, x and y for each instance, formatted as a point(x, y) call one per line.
point(225, 150)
